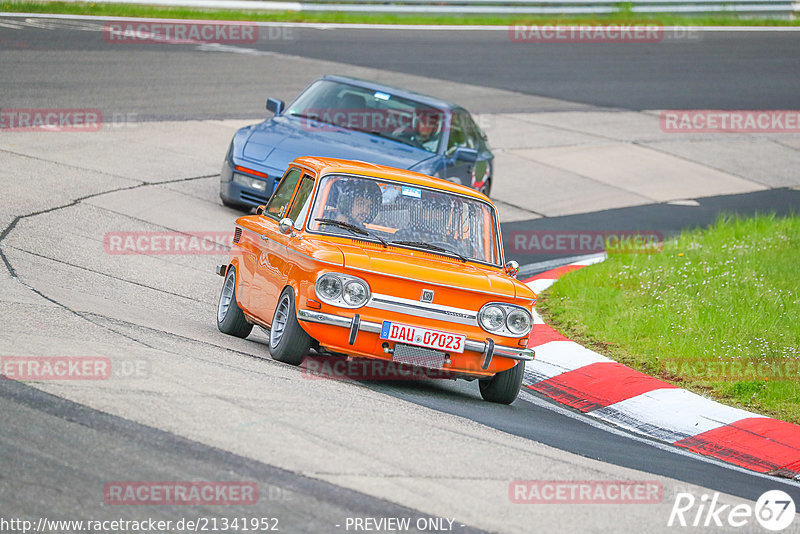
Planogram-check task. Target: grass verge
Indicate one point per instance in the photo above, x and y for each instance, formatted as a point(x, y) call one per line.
point(717, 311)
point(622, 17)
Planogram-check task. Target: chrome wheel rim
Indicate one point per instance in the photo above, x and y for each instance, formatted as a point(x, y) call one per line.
point(279, 322)
point(226, 296)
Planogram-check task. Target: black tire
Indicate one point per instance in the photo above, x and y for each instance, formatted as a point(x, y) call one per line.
point(288, 342)
point(503, 387)
point(230, 318)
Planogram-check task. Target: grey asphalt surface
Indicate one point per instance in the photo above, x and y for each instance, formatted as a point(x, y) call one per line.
point(63, 454)
point(532, 421)
point(701, 70)
point(45, 64)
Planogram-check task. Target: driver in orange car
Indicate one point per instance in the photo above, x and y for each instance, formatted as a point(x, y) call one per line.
point(360, 205)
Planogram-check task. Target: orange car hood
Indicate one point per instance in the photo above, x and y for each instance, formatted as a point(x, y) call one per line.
point(430, 268)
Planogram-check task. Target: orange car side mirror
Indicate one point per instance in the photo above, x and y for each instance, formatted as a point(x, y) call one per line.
point(511, 268)
point(286, 226)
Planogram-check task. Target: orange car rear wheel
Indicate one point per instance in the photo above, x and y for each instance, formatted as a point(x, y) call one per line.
point(288, 342)
point(230, 318)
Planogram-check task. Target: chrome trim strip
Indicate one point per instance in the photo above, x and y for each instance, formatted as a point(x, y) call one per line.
point(423, 309)
point(336, 320)
point(375, 328)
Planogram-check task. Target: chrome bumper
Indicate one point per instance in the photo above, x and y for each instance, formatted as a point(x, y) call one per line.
point(356, 324)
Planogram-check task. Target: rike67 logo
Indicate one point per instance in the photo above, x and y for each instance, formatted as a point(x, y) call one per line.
point(774, 510)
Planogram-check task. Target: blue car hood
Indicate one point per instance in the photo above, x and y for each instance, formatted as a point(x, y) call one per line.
point(276, 142)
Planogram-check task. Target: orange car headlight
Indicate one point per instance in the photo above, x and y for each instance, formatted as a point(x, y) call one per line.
point(505, 319)
point(342, 290)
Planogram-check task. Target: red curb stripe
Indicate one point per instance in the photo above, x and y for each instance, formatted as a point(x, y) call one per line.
point(598, 385)
point(555, 273)
point(542, 334)
point(758, 443)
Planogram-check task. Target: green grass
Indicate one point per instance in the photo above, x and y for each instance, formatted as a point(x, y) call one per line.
point(622, 17)
point(717, 311)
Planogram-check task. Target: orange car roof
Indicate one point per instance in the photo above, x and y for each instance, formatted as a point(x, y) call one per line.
point(332, 165)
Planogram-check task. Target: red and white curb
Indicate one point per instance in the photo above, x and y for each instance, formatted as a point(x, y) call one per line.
point(611, 392)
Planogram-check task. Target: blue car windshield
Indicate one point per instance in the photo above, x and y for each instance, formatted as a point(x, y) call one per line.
point(328, 105)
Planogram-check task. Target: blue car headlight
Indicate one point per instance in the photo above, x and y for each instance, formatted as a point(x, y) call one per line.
point(249, 181)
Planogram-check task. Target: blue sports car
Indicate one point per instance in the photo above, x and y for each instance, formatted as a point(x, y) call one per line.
point(354, 119)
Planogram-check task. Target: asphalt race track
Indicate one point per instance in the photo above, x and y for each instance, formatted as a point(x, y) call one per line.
point(195, 405)
point(692, 70)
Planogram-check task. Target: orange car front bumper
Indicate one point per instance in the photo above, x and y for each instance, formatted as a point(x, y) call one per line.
point(355, 324)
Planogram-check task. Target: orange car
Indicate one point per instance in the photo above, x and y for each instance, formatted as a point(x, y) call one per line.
point(362, 260)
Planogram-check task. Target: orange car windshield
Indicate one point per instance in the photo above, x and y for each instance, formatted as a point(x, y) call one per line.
point(405, 215)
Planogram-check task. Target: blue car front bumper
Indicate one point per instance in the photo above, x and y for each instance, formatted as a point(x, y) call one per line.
point(234, 193)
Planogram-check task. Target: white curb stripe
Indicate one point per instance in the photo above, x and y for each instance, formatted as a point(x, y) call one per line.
point(558, 357)
point(670, 414)
point(597, 258)
point(540, 285)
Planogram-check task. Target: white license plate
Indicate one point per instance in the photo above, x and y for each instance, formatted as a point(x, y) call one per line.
point(422, 337)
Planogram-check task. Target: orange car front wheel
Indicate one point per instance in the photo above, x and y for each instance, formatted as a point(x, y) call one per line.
point(504, 386)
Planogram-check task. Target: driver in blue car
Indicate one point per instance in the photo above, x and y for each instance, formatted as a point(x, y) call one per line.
point(426, 131)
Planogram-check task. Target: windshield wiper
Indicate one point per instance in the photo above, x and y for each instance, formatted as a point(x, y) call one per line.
point(353, 228)
point(420, 244)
